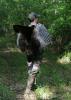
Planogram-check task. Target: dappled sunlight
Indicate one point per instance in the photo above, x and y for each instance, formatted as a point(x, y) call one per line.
point(11, 49)
point(66, 88)
point(14, 49)
point(45, 93)
point(53, 82)
point(57, 93)
point(65, 59)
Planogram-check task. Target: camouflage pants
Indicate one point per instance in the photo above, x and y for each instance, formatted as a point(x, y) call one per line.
point(32, 72)
point(33, 68)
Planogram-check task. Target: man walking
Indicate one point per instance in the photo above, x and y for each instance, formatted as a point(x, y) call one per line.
point(35, 57)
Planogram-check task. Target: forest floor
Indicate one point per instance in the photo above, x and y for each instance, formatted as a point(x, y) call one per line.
point(53, 80)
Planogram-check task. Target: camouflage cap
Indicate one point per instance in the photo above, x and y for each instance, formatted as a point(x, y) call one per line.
point(33, 15)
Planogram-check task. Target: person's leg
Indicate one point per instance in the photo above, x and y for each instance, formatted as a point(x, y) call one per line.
point(33, 69)
point(32, 77)
point(30, 82)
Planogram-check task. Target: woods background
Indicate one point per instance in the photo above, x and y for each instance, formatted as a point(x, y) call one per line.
point(54, 78)
point(55, 14)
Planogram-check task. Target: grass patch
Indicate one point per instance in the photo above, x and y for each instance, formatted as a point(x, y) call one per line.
point(6, 93)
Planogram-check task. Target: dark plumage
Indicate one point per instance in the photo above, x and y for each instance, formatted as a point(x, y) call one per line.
point(26, 39)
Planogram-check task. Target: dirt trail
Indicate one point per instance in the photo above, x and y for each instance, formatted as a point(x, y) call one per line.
point(20, 95)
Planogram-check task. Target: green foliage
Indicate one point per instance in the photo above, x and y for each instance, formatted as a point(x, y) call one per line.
point(6, 93)
point(55, 14)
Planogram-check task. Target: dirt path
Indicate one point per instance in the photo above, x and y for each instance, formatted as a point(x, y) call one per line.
point(20, 95)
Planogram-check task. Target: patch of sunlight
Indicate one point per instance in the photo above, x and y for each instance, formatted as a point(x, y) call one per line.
point(66, 59)
point(66, 88)
point(45, 93)
point(10, 49)
point(66, 92)
point(14, 49)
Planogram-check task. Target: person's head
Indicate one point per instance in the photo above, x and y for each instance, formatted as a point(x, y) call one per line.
point(33, 17)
